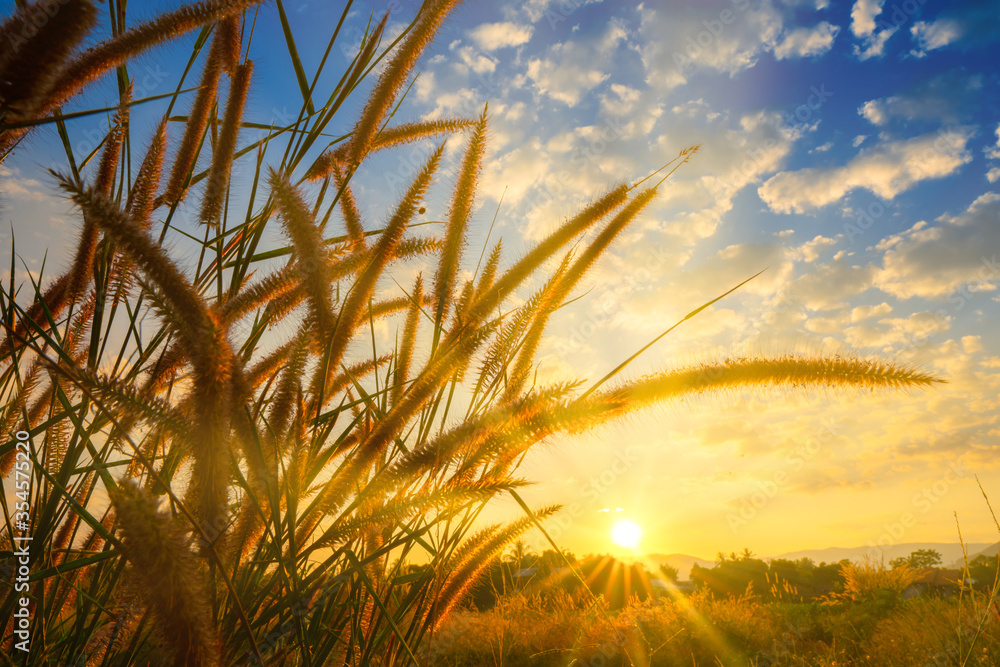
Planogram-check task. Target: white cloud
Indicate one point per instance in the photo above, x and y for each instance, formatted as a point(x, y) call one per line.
point(886, 170)
point(806, 42)
point(621, 102)
point(993, 152)
point(492, 36)
point(16, 186)
point(829, 285)
point(874, 44)
point(721, 36)
point(566, 81)
point(874, 111)
point(861, 313)
point(993, 175)
point(936, 34)
point(476, 61)
point(954, 258)
point(809, 251)
point(863, 15)
point(898, 331)
point(858, 140)
point(567, 71)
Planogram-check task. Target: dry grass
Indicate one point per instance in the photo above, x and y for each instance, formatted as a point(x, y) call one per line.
point(270, 470)
point(702, 630)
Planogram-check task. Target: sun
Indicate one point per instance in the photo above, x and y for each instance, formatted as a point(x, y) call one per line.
point(626, 534)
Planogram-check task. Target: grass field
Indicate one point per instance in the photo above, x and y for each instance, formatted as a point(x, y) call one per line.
point(702, 630)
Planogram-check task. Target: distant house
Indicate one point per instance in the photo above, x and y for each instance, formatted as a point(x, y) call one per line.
point(934, 581)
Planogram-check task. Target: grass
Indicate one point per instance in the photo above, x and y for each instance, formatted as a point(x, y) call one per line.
point(730, 631)
point(224, 466)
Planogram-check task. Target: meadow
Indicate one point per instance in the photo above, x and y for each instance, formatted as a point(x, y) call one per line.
point(741, 611)
point(207, 459)
point(705, 630)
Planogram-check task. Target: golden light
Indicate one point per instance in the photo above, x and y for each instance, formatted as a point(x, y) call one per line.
point(626, 534)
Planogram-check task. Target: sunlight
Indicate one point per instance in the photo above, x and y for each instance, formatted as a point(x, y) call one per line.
point(626, 534)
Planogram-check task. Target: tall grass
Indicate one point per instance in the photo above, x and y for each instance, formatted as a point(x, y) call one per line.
point(245, 476)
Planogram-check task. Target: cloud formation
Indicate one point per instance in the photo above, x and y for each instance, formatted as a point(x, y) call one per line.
point(493, 36)
point(885, 170)
point(955, 258)
point(807, 42)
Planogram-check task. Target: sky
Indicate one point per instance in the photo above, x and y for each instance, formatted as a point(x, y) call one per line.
point(850, 150)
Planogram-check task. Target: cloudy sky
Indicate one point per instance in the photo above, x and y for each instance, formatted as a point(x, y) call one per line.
point(850, 149)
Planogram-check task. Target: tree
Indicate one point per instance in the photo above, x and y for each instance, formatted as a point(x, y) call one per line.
point(917, 559)
point(983, 571)
point(520, 555)
point(669, 572)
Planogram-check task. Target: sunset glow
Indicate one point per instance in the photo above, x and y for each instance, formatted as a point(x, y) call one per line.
point(626, 534)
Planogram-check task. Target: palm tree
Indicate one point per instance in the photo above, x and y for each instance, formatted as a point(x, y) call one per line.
point(519, 554)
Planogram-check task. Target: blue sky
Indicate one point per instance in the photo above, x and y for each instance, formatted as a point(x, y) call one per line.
point(850, 149)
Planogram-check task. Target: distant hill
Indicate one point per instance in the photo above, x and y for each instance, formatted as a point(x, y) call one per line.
point(950, 552)
point(682, 562)
point(990, 550)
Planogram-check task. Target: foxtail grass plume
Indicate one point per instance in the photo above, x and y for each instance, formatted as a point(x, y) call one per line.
point(217, 186)
point(198, 117)
point(459, 214)
point(37, 40)
point(432, 14)
point(205, 344)
point(310, 250)
point(168, 577)
point(96, 61)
